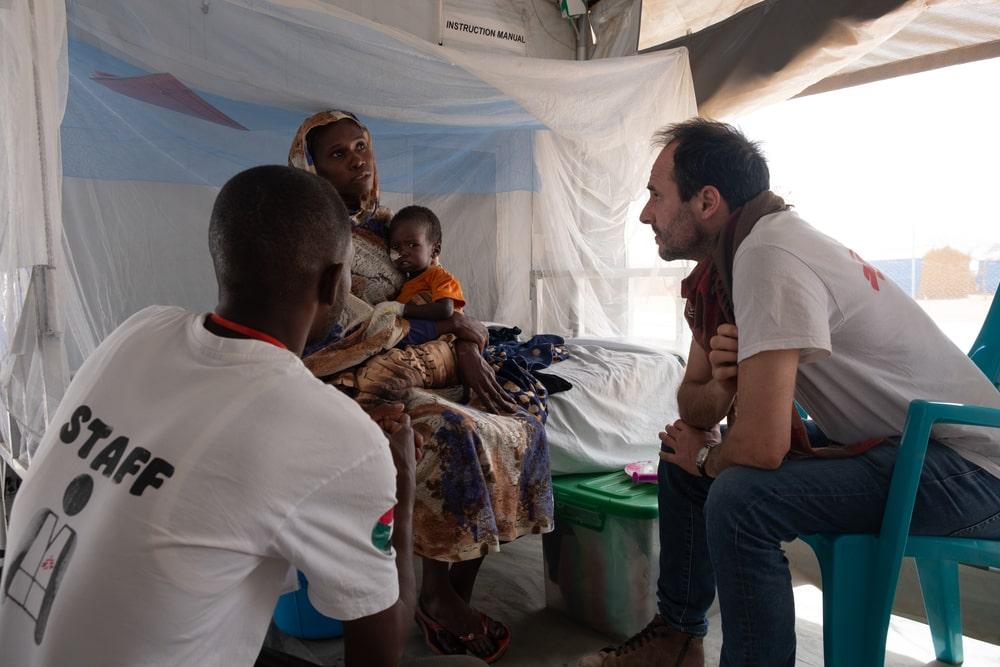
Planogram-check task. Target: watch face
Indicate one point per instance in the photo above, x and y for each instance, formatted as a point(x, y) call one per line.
point(702, 458)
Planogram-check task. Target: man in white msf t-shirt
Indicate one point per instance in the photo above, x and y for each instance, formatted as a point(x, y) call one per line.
point(195, 463)
point(778, 312)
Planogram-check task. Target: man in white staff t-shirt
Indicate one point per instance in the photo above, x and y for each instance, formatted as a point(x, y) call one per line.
point(194, 464)
point(780, 311)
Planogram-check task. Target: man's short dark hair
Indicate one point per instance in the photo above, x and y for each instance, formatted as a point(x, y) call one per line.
point(432, 226)
point(713, 153)
point(273, 228)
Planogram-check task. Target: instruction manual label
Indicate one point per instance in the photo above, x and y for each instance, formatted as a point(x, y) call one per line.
point(484, 32)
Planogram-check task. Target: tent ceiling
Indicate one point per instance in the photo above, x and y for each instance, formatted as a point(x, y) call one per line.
point(747, 53)
point(941, 36)
point(667, 20)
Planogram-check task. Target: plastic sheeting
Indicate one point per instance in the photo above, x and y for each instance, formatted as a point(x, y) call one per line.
point(531, 164)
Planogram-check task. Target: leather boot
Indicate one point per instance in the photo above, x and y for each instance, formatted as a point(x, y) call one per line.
point(656, 645)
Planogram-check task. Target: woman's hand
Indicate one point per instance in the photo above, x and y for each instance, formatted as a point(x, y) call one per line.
point(465, 328)
point(395, 423)
point(479, 377)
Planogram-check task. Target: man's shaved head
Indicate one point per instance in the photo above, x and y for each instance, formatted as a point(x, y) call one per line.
point(273, 230)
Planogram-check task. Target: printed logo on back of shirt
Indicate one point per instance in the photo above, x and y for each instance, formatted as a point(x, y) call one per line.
point(39, 564)
point(36, 571)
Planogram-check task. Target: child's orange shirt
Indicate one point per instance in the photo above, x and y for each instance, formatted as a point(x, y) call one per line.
point(437, 281)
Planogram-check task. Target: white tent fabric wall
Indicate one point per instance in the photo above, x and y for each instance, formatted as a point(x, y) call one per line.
point(33, 89)
point(531, 163)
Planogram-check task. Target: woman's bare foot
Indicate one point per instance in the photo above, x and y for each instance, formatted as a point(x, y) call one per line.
point(461, 620)
point(440, 600)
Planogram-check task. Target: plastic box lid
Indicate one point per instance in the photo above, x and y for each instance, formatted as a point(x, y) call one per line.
point(611, 493)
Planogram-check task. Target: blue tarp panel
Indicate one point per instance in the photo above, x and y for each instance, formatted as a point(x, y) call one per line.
point(115, 129)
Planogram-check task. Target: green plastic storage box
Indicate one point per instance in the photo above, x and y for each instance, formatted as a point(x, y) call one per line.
point(602, 559)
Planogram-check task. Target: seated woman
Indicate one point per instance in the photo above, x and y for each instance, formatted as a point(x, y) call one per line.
point(483, 477)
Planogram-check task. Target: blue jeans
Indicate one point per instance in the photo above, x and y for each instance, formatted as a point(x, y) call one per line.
point(726, 534)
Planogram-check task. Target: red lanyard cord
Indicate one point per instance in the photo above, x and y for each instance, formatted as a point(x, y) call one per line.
point(246, 331)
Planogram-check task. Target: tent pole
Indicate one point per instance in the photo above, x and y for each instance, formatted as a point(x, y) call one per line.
point(49, 334)
point(440, 12)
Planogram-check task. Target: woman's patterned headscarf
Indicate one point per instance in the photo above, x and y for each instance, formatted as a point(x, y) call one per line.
point(299, 157)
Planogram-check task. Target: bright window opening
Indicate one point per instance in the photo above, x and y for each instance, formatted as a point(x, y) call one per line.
point(903, 172)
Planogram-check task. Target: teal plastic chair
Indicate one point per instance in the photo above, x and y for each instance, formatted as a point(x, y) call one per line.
point(860, 572)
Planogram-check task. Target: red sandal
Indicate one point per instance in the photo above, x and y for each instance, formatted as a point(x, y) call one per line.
point(438, 638)
point(443, 641)
point(495, 631)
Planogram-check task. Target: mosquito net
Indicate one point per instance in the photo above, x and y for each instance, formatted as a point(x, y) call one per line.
point(147, 108)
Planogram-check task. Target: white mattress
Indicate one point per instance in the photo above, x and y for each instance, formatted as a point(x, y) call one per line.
point(623, 395)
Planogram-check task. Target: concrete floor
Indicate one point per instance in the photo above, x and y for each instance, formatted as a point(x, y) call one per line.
point(511, 588)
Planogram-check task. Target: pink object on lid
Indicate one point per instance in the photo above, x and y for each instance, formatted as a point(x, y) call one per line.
point(642, 472)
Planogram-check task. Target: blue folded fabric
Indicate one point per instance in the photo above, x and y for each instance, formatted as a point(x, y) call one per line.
point(534, 354)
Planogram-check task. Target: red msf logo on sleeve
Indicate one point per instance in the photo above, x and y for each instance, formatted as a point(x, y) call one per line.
point(872, 275)
point(382, 532)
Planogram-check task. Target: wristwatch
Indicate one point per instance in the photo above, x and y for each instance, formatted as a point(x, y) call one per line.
point(702, 457)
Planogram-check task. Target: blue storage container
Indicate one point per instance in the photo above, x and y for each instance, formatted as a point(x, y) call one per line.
point(295, 616)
